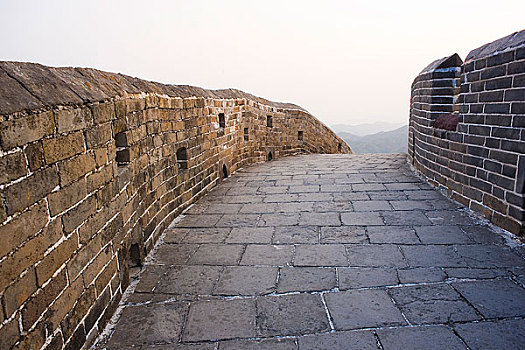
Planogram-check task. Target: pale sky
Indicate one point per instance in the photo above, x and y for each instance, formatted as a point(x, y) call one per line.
point(346, 62)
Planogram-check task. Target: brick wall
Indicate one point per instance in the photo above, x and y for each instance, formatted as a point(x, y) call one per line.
point(94, 166)
point(481, 160)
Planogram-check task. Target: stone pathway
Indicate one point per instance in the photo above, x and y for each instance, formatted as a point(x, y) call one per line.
point(327, 252)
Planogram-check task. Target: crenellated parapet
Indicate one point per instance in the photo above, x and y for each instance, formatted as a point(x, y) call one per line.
point(467, 129)
point(94, 166)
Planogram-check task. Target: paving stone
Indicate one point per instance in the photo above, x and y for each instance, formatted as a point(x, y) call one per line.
point(360, 277)
point(220, 319)
point(295, 207)
point(435, 337)
point(259, 208)
point(489, 256)
point(315, 197)
point(449, 217)
point(483, 234)
point(281, 219)
point(320, 255)
point(362, 308)
point(461, 272)
point(281, 198)
point(179, 346)
point(442, 234)
point(375, 255)
point(293, 314)
point(371, 205)
point(439, 303)
point(223, 208)
point(495, 298)
point(497, 335)
point(247, 280)
point(264, 344)
point(242, 199)
point(217, 254)
point(296, 234)
point(432, 256)
point(250, 235)
point(411, 205)
point(175, 254)
point(350, 196)
point(236, 220)
point(361, 218)
point(149, 324)
point(368, 187)
point(322, 207)
point(421, 275)
point(197, 280)
point(387, 196)
point(321, 219)
point(306, 279)
point(206, 235)
point(395, 218)
point(392, 234)
point(150, 277)
point(343, 234)
point(199, 220)
point(362, 340)
point(275, 255)
point(175, 235)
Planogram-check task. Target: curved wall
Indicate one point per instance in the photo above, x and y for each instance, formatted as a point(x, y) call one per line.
point(95, 165)
point(467, 129)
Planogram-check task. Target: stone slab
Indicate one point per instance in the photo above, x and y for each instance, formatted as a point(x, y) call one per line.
point(220, 319)
point(362, 309)
point(293, 314)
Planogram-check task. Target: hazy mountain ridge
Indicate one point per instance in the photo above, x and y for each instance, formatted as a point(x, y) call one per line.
point(395, 141)
point(366, 129)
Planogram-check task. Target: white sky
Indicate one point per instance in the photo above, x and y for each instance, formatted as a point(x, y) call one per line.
point(345, 61)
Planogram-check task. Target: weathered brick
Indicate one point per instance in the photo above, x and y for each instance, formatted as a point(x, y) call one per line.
point(13, 167)
point(73, 169)
point(97, 310)
point(62, 147)
point(33, 339)
point(76, 216)
point(35, 155)
point(9, 334)
point(96, 266)
point(21, 228)
point(105, 276)
point(494, 203)
point(98, 135)
point(506, 222)
point(44, 297)
point(103, 112)
point(73, 318)
point(516, 67)
point(101, 156)
point(64, 304)
point(493, 72)
point(56, 258)
point(23, 194)
point(518, 108)
point(77, 339)
point(17, 293)
point(18, 132)
point(72, 119)
point(99, 178)
point(67, 197)
point(30, 253)
point(81, 259)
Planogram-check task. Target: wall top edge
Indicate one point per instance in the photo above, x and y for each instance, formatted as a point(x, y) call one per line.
point(28, 86)
point(507, 43)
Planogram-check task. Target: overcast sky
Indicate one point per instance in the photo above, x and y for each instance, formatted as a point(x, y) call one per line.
point(345, 61)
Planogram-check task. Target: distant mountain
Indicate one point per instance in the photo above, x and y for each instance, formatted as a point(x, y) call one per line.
point(395, 141)
point(366, 129)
